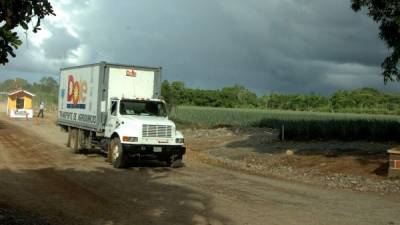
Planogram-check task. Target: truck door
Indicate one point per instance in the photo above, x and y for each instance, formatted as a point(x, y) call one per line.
point(112, 119)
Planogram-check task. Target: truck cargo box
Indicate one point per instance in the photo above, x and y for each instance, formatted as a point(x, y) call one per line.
point(85, 91)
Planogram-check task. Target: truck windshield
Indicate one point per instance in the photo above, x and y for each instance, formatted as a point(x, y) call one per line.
point(142, 108)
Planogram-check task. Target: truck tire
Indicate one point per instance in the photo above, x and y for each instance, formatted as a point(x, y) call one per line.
point(118, 158)
point(82, 141)
point(174, 161)
point(74, 140)
point(69, 137)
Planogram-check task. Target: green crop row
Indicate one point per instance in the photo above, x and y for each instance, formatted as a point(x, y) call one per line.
point(297, 125)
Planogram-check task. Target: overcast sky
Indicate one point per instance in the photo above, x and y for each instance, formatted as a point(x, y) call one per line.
point(288, 46)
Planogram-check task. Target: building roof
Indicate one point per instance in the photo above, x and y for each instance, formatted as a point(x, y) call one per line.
point(18, 91)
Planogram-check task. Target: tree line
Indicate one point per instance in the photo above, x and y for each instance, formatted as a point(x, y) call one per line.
point(364, 100)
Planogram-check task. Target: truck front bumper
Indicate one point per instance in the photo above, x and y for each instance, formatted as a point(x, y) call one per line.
point(155, 150)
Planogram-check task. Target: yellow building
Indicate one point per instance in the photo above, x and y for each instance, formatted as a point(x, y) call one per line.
point(19, 103)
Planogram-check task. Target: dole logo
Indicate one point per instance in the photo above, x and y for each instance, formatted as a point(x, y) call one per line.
point(76, 92)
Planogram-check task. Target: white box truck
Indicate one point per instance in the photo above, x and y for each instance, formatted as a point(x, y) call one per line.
point(117, 109)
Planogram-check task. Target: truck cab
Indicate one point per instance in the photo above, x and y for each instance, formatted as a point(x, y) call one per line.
point(140, 128)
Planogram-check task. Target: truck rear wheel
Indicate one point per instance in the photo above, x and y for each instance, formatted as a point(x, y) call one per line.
point(73, 140)
point(69, 137)
point(82, 141)
point(118, 158)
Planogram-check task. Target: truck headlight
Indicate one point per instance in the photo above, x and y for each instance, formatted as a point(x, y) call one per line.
point(129, 139)
point(180, 140)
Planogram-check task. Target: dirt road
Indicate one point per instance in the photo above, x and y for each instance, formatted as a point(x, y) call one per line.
point(38, 174)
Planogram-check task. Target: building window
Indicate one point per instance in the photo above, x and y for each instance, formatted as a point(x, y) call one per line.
point(20, 103)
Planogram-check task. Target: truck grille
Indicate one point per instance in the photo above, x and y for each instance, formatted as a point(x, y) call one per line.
point(162, 131)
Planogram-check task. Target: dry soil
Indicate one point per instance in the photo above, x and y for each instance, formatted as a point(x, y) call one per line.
point(39, 175)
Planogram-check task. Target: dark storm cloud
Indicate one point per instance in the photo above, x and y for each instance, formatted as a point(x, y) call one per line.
point(275, 45)
point(60, 44)
point(299, 41)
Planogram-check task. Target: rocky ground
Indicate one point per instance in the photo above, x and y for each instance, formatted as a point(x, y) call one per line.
point(360, 166)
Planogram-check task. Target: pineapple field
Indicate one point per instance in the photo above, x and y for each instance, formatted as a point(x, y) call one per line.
point(297, 125)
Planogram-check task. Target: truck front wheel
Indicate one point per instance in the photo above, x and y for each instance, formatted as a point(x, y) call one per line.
point(118, 158)
point(174, 161)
